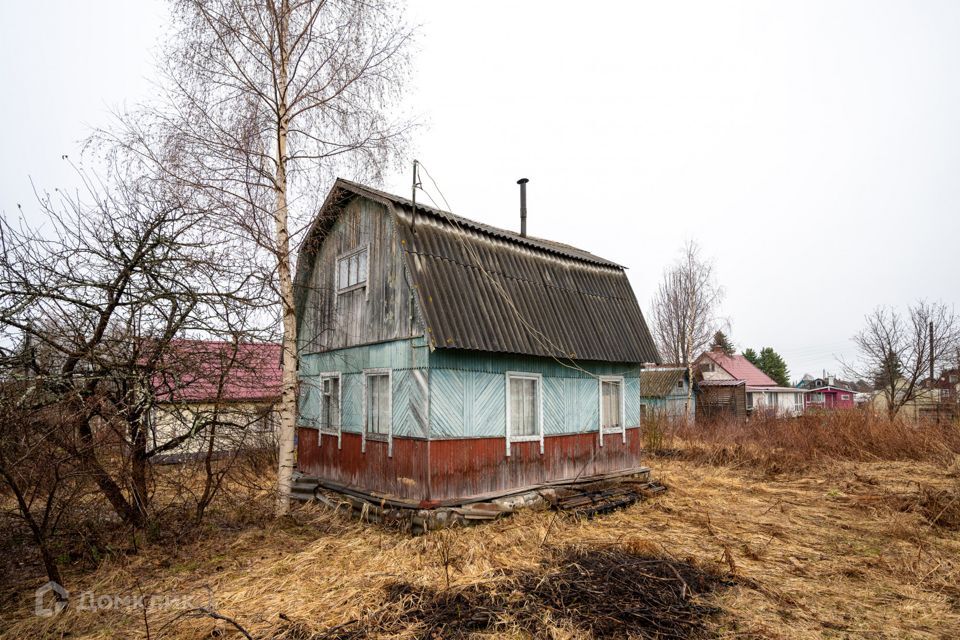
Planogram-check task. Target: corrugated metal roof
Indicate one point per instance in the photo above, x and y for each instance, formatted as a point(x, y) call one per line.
point(721, 383)
point(659, 383)
point(538, 243)
point(487, 289)
point(741, 369)
point(208, 371)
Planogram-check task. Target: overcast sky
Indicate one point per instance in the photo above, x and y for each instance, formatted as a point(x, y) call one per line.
point(811, 148)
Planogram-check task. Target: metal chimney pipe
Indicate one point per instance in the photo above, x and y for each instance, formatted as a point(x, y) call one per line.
point(523, 206)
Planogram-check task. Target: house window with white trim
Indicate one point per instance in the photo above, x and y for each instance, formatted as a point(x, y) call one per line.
point(377, 405)
point(524, 408)
point(798, 402)
point(330, 403)
point(750, 401)
point(845, 396)
point(611, 404)
point(352, 270)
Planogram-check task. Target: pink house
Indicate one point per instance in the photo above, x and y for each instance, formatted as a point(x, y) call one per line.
point(827, 394)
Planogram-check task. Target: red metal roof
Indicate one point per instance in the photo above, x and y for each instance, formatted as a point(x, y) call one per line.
point(207, 371)
point(741, 369)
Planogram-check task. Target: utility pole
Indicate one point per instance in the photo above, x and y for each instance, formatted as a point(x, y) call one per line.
point(413, 197)
point(934, 393)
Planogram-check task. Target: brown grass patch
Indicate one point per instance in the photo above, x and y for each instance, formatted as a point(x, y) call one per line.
point(810, 554)
point(776, 445)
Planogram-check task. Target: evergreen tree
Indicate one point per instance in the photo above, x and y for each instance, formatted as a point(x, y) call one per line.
point(752, 357)
point(774, 366)
point(722, 342)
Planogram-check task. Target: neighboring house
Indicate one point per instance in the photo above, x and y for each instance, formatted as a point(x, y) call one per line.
point(663, 392)
point(761, 392)
point(442, 359)
point(923, 405)
point(948, 386)
point(827, 393)
point(223, 391)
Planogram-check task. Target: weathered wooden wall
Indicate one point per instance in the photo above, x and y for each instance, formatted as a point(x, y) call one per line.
point(381, 311)
point(444, 470)
point(468, 390)
point(721, 401)
point(479, 466)
point(407, 360)
point(404, 475)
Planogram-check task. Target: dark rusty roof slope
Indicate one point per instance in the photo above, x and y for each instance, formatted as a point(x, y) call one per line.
point(487, 289)
point(660, 383)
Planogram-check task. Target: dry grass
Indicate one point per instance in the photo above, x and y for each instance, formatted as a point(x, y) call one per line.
point(777, 445)
point(849, 549)
point(851, 529)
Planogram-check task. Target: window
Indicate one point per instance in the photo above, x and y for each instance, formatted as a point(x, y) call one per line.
point(707, 366)
point(771, 400)
point(798, 402)
point(524, 408)
point(679, 384)
point(330, 403)
point(749, 401)
point(352, 270)
point(611, 399)
point(377, 407)
point(816, 398)
point(845, 396)
point(612, 419)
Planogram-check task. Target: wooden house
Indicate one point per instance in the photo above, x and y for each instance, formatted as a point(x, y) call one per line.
point(226, 392)
point(664, 391)
point(826, 393)
point(443, 360)
point(716, 369)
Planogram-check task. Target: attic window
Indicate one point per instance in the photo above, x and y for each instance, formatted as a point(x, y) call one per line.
point(352, 270)
point(708, 367)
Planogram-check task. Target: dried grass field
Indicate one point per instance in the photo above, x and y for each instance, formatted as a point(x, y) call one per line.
point(839, 547)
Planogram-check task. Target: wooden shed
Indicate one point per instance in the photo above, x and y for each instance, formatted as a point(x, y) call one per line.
point(664, 391)
point(443, 360)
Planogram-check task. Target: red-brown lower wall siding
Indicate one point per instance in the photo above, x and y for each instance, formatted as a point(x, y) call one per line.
point(463, 468)
point(473, 467)
point(403, 475)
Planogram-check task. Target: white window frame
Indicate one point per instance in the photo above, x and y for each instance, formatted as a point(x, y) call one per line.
point(844, 396)
point(378, 437)
point(522, 375)
point(749, 400)
point(329, 375)
point(623, 407)
point(346, 256)
point(798, 402)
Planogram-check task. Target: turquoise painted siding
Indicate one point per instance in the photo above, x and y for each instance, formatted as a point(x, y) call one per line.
point(672, 405)
point(466, 404)
point(407, 359)
point(351, 409)
point(500, 363)
point(462, 395)
point(468, 393)
point(397, 354)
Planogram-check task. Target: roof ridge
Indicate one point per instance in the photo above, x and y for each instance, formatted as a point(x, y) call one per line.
point(545, 244)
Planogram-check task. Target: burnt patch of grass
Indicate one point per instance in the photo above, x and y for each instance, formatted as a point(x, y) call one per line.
point(610, 592)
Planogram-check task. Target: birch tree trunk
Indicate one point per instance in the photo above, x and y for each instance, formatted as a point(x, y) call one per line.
point(288, 394)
